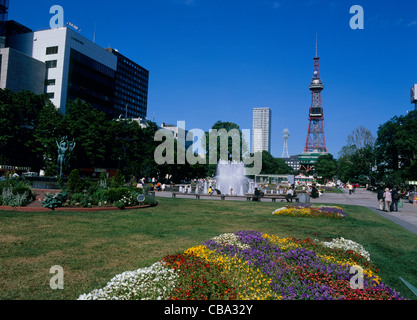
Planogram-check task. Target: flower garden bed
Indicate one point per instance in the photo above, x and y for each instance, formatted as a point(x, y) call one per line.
point(249, 265)
point(311, 211)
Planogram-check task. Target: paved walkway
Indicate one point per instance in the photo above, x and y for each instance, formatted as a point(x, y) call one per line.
point(405, 217)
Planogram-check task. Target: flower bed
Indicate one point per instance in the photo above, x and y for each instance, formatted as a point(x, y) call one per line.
point(249, 265)
point(310, 211)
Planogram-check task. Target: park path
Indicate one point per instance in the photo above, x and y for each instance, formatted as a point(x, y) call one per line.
point(405, 217)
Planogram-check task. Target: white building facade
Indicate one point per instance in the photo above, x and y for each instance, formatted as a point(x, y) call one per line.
point(261, 130)
point(55, 47)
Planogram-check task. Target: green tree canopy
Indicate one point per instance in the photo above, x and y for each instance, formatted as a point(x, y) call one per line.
point(272, 165)
point(326, 167)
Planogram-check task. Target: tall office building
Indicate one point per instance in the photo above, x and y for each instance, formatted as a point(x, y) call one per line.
point(78, 68)
point(4, 7)
point(261, 130)
point(131, 87)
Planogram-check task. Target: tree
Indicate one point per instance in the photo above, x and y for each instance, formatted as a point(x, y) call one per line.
point(19, 116)
point(396, 149)
point(326, 167)
point(51, 126)
point(87, 126)
point(358, 156)
point(271, 165)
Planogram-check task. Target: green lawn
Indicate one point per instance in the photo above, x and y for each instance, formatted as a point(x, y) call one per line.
point(94, 247)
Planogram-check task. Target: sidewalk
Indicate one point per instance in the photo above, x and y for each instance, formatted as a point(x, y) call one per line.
point(405, 217)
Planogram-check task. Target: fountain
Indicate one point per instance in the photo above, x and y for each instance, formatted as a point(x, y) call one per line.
point(231, 175)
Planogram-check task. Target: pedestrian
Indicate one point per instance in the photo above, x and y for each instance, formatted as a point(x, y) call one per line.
point(388, 200)
point(381, 199)
point(395, 198)
point(350, 187)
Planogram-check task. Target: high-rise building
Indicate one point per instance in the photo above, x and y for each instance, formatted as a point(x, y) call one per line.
point(4, 8)
point(78, 68)
point(261, 130)
point(414, 96)
point(131, 87)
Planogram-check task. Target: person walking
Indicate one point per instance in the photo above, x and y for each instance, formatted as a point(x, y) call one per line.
point(395, 198)
point(388, 200)
point(381, 199)
point(350, 187)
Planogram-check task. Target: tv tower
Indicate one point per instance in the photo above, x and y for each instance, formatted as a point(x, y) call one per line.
point(316, 141)
point(286, 135)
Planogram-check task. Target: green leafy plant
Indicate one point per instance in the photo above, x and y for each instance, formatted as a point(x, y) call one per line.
point(53, 201)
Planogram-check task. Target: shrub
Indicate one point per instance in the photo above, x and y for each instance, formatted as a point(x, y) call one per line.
point(75, 184)
point(116, 194)
point(118, 180)
point(15, 193)
point(150, 200)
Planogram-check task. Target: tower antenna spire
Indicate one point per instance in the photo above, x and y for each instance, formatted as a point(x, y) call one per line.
point(316, 46)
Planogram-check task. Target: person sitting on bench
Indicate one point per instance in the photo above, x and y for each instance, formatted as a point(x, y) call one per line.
point(290, 195)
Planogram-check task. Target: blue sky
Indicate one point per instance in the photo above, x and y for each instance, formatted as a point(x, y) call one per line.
point(213, 60)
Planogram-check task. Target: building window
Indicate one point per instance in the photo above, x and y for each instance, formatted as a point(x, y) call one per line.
point(51, 50)
point(51, 64)
point(50, 95)
point(50, 82)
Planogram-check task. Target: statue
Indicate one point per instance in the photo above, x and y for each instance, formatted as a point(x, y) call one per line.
point(63, 157)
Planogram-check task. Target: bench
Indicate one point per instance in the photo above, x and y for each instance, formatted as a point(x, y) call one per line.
point(282, 197)
point(174, 194)
point(221, 196)
point(248, 196)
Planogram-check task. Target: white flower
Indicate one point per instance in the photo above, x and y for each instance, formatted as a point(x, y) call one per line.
point(344, 244)
point(230, 239)
point(145, 284)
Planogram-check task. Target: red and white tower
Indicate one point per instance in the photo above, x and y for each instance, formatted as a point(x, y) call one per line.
point(316, 141)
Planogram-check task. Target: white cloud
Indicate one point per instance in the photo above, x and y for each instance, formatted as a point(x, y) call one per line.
point(412, 23)
point(276, 4)
point(190, 3)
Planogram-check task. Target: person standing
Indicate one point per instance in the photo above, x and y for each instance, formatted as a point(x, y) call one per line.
point(395, 198)
point(388, 200)
point(350, 187)
point(381, 199)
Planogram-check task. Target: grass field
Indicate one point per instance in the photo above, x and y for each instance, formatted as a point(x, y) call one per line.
point(94, 247)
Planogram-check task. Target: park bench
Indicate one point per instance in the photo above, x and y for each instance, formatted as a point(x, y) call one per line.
point(248, 196)
point(221, 196)
point(275, 197)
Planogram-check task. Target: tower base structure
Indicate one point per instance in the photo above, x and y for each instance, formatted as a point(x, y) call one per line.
point(308, 161)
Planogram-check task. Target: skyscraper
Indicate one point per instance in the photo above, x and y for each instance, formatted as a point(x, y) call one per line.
point(261, 130)
point(78, 68)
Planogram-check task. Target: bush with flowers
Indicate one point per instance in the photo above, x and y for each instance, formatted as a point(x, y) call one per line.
point(249, 265)
point(310, 211)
